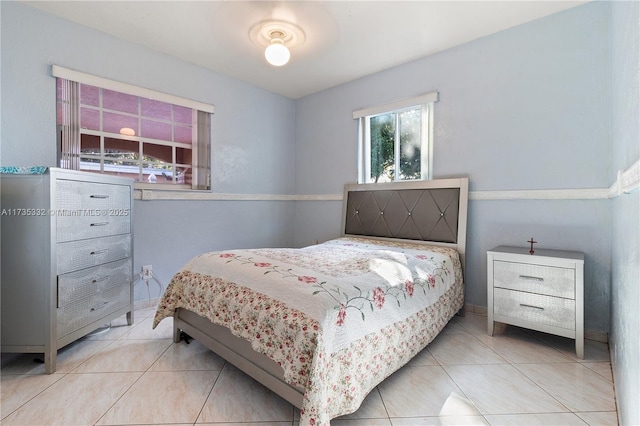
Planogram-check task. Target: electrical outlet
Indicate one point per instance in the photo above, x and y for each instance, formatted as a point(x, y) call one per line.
point(146, 271)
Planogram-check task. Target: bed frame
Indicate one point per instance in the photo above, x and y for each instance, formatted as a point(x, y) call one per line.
point(433, 212)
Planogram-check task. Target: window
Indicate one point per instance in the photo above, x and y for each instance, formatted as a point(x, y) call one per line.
point(395, 140)
point(113, 128)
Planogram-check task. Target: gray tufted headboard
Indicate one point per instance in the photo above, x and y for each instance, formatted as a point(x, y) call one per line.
point(433, 211)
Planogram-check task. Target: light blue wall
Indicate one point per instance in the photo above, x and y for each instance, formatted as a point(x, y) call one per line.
point(527, 108)
point(252, 135)
point(545, 105)
point(625, 280)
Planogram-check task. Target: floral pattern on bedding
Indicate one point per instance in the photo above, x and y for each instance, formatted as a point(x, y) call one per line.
point(354, 297)
point(338, 317)
point(284, 334)
point(347, 377)
point(359, 300)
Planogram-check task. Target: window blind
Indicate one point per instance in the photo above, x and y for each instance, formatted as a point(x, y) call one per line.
point(68, 131)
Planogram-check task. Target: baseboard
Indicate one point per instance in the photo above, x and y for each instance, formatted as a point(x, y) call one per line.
point(475, 309)
point(595, 335)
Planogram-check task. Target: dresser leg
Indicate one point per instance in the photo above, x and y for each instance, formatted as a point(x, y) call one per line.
point(50, 361)
point(130, 318)
point(490, 326)
point(580, 348)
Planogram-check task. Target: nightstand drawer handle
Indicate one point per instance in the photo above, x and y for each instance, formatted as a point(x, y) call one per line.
point(529, 277)
point(98, 196)
point(524, 305)
point(99, 224)
point(99, 251)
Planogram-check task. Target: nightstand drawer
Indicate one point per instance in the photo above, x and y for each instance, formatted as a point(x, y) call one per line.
point(532, 278)
point(541, 309)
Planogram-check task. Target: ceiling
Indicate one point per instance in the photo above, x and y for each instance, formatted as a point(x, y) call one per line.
point(343, 40)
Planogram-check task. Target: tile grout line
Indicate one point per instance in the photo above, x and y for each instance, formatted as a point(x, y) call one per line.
point(62, 375)
point(210, 392)
point(513, 365)
point(135, 381)
point(442, 366)
point(384, 405)
point(471, 401)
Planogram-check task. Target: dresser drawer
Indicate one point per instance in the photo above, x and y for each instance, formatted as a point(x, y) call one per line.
point(90, 210)
point(540, 309)
point(91, 225)
point(76, 195)
point(532, 278)
point(93, 281)
point(76, 255)
point(85, 311)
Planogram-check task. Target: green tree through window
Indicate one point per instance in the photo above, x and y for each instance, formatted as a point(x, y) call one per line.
point(383, 131)
point(395, 140)
point(396, 130)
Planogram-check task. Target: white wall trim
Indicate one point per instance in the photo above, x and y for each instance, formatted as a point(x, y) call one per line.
point(534, 194)
point(542, 194)
point(154, 194)
point(627, 181)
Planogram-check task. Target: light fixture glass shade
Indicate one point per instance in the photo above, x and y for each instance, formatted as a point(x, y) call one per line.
point(277, 53)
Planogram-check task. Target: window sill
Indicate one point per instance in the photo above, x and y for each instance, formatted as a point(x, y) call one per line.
point(166, 187)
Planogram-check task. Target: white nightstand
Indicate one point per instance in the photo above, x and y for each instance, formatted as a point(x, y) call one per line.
point(543, 291)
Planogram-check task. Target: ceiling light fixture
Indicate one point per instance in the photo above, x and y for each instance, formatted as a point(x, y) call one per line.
point(277, 54)
point(277, 38)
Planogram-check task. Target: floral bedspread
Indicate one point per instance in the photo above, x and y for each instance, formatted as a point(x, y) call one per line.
point(338, 317)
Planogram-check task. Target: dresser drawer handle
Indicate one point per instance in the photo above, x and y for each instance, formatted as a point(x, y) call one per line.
point(97, 280)
point(530, 277)
point(524, 305)
point(99, 224)
point(98, 196)
point(99, 251)
point(98, 307)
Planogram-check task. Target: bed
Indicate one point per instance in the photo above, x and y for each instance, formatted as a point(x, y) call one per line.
point(323, 325)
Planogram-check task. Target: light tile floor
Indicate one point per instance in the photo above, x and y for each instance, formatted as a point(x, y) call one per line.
point(135, 375)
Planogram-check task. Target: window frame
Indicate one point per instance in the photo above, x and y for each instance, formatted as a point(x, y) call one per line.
point(201, 112)
point(426, 104)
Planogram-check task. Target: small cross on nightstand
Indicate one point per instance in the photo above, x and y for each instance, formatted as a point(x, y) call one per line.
point(532, 243)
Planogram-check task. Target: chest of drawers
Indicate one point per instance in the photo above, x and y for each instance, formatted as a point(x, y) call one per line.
point(67, 258)
point(543, 291)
